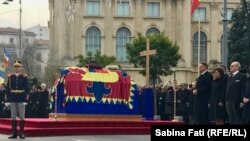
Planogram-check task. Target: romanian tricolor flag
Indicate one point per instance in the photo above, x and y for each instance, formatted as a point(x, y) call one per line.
point(2, 73)
point(194, 5)
point(5, 63)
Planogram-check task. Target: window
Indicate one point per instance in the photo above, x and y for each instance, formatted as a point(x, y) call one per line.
point(153, 9)
point(230, 13)
point(11, 40)
point(123, 37)
point(199, 13)
point(152, 31)
point(93, 7)
point(123, 8)
point(93, 40)
point(203, 48)
point(38, 56)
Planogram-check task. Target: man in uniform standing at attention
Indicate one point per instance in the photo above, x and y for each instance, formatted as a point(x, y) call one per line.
point(17, 90)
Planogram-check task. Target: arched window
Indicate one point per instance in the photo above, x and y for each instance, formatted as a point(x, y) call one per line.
point(203, 48)
point(152, 31)
point(93, 40)
point(123, 37)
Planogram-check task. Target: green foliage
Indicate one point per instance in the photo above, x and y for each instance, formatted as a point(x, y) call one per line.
point(102, 60)
point(160, 64)
point(239, 36)
point(51, 74)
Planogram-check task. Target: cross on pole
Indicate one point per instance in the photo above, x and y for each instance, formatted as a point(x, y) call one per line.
point(147, 53)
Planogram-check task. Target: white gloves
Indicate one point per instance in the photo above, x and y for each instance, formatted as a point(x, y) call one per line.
point(7, 104)
point(25, 103)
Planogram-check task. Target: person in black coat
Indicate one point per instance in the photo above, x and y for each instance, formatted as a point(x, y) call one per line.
point(32, 107)
point(203, 93)
point(182, 98)
point(234, 92)
point(43, 102)
point(160, 94)
point(169, 99)
point(246, 101)
point(218, 96)
point(190, 104)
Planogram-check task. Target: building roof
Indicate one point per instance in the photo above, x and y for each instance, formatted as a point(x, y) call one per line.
point(42, 32)
point(14, 31)
point(41, 42)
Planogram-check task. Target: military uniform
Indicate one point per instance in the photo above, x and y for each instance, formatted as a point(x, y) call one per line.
point(17, 90)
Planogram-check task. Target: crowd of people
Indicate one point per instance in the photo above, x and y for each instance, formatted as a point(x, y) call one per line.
point(215, 97)
point(218, 97)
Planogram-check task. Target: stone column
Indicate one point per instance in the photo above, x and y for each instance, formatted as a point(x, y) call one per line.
point(139, 15)
point(77, 30)
point(168, 21)
point(186, 33)
point(109, 48)
point(60, 23)
point(179, 29)
point(52, 32)
point(214, 52)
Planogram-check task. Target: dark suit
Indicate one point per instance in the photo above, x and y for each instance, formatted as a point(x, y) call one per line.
point(203, 87)
point(43, 104)
point(182, 97)
point(234, 92)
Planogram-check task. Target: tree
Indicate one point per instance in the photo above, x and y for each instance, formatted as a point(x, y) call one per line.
point(50, 75)
point(239, 36)
point(102, 60)
point(160, 64)
point(28, 60)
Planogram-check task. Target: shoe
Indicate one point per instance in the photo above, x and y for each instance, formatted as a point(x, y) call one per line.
point(13, 130)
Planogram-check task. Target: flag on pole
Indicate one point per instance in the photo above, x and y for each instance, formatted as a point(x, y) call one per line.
point(5, 62)
point(2, 73)
point(194, 5)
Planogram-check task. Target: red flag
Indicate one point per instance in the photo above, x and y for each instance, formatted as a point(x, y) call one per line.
point(194, 5)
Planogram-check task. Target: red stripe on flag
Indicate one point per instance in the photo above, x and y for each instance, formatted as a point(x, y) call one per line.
point(194, 5)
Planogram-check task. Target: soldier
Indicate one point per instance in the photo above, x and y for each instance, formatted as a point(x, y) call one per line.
point(17, 89)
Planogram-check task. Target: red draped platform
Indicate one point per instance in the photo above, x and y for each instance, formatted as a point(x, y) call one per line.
point(52, 127)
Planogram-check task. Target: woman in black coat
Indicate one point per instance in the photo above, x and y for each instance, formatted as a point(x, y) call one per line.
point(218, 96)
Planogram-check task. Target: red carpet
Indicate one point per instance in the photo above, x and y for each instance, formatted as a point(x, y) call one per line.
point(50, 127)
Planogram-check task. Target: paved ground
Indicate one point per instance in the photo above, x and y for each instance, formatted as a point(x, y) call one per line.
point(85, 138)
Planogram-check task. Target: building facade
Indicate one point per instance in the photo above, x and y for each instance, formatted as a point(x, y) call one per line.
point(9, 40)
point(41, 49)
point(81, 26)
point(42, 32)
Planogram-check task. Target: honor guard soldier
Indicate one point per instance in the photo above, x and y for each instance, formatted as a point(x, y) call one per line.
point(17, 89)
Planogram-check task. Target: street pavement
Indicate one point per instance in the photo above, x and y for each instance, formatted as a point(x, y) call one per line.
point(84, 138)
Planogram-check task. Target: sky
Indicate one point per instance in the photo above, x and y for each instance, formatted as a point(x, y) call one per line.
point(34, 12)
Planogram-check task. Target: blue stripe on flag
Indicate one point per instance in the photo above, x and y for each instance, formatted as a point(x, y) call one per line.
point(2, 74)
